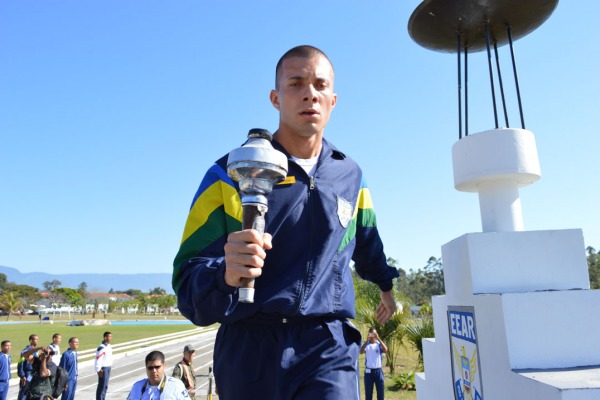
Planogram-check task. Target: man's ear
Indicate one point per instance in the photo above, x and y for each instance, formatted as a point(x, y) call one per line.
point(274, 97)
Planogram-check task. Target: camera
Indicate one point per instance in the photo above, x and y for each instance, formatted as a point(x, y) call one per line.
point(46, 353)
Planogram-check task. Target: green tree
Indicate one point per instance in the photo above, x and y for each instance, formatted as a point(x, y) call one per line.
point(157, 290)
point(3, 282)
point(164, 302)
point(419, 286)
point(10, 304)
point(593, 260)
point(71, 296)
point(367, 299)
point(416, 332)
point(51, 286)
point(24, 293)
point(53, 297)
point(134, 292)
point(82, 289)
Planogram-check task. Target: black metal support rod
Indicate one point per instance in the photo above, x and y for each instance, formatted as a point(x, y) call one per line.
point(466, 92)
point(487, 41)
point(501, 85)
point(458, 40)
point(514, 64)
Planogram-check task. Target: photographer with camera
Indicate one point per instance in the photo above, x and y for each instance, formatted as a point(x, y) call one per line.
point(374, 349)
point(40, 386)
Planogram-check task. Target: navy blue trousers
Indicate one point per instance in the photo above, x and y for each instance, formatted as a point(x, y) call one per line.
point(375, 377)
point(103, 384)
point(21, 395)
point(69, 394)
point(3, 390)
point(293, 361)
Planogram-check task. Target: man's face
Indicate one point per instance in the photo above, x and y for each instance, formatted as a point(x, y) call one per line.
point(74, 344)
point(372, 336)
point(188, 356)
point(34, 341)
point(156, 371)
point(57, 339)
point(6, 347)
point(304, 96)
point(108, 338)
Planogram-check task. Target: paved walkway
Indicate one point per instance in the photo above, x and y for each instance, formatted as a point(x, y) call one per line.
point(128, 364)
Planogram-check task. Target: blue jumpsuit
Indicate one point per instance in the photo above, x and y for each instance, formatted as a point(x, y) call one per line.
point(294, 341)
point(68, 361)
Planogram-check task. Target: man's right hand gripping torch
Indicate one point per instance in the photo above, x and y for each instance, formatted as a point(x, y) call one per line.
point(257, 166)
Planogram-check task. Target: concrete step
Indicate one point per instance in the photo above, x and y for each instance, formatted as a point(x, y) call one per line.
point(581, 383)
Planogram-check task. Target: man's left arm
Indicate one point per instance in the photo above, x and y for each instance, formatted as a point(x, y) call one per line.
point(369, 258)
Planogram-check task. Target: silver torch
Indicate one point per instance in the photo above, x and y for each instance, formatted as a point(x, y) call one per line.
point(257, 166)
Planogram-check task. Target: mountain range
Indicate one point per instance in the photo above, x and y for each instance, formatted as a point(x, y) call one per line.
point(95, 282)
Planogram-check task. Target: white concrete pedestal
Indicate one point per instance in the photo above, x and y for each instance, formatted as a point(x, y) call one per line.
point(536, 324)
point(534, 342)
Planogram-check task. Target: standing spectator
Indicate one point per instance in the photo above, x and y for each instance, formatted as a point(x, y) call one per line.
point(5, 369)
point(157, 385)
point(184, 370)
point(103, 363)
point(69, 362)
point(24, 368)
point(40, 386)
point(374, 349)
point(55, 346)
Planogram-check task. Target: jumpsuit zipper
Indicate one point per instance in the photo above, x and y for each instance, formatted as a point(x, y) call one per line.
point(307, 273)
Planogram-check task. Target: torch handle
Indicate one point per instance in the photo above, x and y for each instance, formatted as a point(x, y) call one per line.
point(253, 217)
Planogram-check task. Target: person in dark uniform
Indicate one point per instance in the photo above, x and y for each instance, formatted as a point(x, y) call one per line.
point(24, 367)
point(295, 340)
point(5, 374)
point(69, 362)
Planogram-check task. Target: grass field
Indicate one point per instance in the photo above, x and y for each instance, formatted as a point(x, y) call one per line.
point(89, 336)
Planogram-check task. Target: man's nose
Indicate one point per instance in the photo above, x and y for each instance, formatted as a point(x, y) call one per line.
point(311, 94)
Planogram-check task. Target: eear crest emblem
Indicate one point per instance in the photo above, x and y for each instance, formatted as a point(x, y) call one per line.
point(468, 366)
point(345, 210)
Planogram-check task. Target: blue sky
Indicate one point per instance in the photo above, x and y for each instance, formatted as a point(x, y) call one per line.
point(111, 111)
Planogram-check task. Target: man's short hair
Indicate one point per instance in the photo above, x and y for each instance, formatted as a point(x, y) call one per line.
point(71, 339)
point(154, 356)
point(55, 336)
point(106, 334)
point(4, 342)
point(305, 51)
point(32, 336)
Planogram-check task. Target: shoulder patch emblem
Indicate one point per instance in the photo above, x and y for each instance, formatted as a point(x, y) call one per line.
point(344, 211)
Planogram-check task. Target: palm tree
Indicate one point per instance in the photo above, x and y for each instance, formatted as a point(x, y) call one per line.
point(392, 332)
point(10, 304)
point(416, 332)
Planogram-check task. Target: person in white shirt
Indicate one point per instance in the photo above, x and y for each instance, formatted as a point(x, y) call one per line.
point(157, 385)
point(102, 365)
point(374, 349)
point(55, 346)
